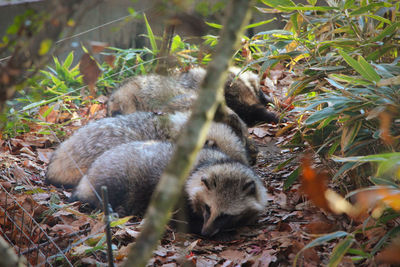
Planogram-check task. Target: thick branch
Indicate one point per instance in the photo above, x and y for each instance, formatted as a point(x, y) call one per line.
point(192, 138)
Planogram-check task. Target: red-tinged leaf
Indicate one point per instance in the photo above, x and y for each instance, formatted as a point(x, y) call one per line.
point(90, 71)
point(385, 123)
point(313, 184)
point(48, 114)
point(110, 59)
point(390, 255)
point(373, 197)
point(319, 227)
point(94, 108)
point(97, 47)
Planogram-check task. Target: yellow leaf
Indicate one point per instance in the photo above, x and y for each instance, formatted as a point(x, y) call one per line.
point(121, 221)
point(45, 46)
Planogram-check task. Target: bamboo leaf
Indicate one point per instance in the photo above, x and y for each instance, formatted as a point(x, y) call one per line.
point(291, 179)
point(349, 133)
point(152, 38)
point(320, 241)
point(320, 115)
point(368, 69)
point(214, 25)
point(253, 25)
point(356, 66)
point(279, 3)
point(340, 250)
point(386, 32)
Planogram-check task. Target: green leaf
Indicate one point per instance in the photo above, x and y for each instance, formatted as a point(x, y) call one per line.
point(307, 8)
point(339, 251)
point(214, 25)
point(291, 179)
point(348, 4)
point(375, 55)
point(346, 167)
point(120, 221)
point(47, 112)
point(379, 18)
point(368, 69)
point(369, 158)
point(359, 66)
point(365, 9)
point(279, 3)
point(386, 32)
point(151, 36)
point(392, 233)
point(320, 241)
point(348, 79)
point(253, 25)
point(320, 115)
point(176, 43)
point(68, 61)
point(383, 181)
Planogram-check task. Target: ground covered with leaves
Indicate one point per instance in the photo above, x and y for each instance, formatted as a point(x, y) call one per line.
point(50, 227)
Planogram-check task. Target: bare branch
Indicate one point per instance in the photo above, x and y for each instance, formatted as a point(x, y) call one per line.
point(192, 138)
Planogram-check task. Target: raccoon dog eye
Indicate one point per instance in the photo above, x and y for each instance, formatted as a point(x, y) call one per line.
point(115, 113)
point(206, 212)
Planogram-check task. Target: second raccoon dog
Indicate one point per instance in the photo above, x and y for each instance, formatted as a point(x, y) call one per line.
point(150, 92)
point(242, 94)
point(160, 93)
point(75, 155)
point(221, 193)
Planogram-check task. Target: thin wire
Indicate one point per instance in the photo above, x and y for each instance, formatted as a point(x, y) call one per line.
point(38, 225)
point(89, 30)
point(95, 28)
point(84, 86)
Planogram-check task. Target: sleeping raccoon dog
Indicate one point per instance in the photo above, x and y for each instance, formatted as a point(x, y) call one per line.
point(221, 192)
point(74, 156)
point(160, 93)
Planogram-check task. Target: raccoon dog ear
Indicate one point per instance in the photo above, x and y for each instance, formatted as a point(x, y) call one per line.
point(250, 188)
point(210, 144)
point(208, 182)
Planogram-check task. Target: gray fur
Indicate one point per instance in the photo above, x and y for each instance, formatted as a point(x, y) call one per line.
point(131, 172)
point(151, 92)
point(160, 93)
point(75, 155)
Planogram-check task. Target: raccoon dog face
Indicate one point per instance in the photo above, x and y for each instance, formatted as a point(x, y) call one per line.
point(225, 195)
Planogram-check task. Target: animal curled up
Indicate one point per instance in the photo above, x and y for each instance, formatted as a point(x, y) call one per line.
point(73, 157)
point(157, 93)
point(220, 193)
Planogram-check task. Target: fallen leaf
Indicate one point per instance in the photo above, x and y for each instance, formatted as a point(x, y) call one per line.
point(90, 72)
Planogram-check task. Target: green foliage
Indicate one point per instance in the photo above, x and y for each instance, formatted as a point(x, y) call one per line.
point(348, 94)
point(346, 50)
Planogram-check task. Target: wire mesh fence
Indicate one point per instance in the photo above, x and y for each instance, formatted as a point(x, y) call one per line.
point(20, 228)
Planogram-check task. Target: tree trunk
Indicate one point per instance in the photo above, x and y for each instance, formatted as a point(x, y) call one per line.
point(192, 137)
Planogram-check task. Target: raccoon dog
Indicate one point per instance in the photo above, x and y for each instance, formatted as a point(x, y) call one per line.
point(151, 92)
point(221, 193)
point(75, 155)
point(242, 94)
point(160, 93)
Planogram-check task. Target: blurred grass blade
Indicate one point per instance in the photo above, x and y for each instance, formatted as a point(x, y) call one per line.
point(320, 241)
point(340, 250)
point(368, 69)
point(151, 36)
